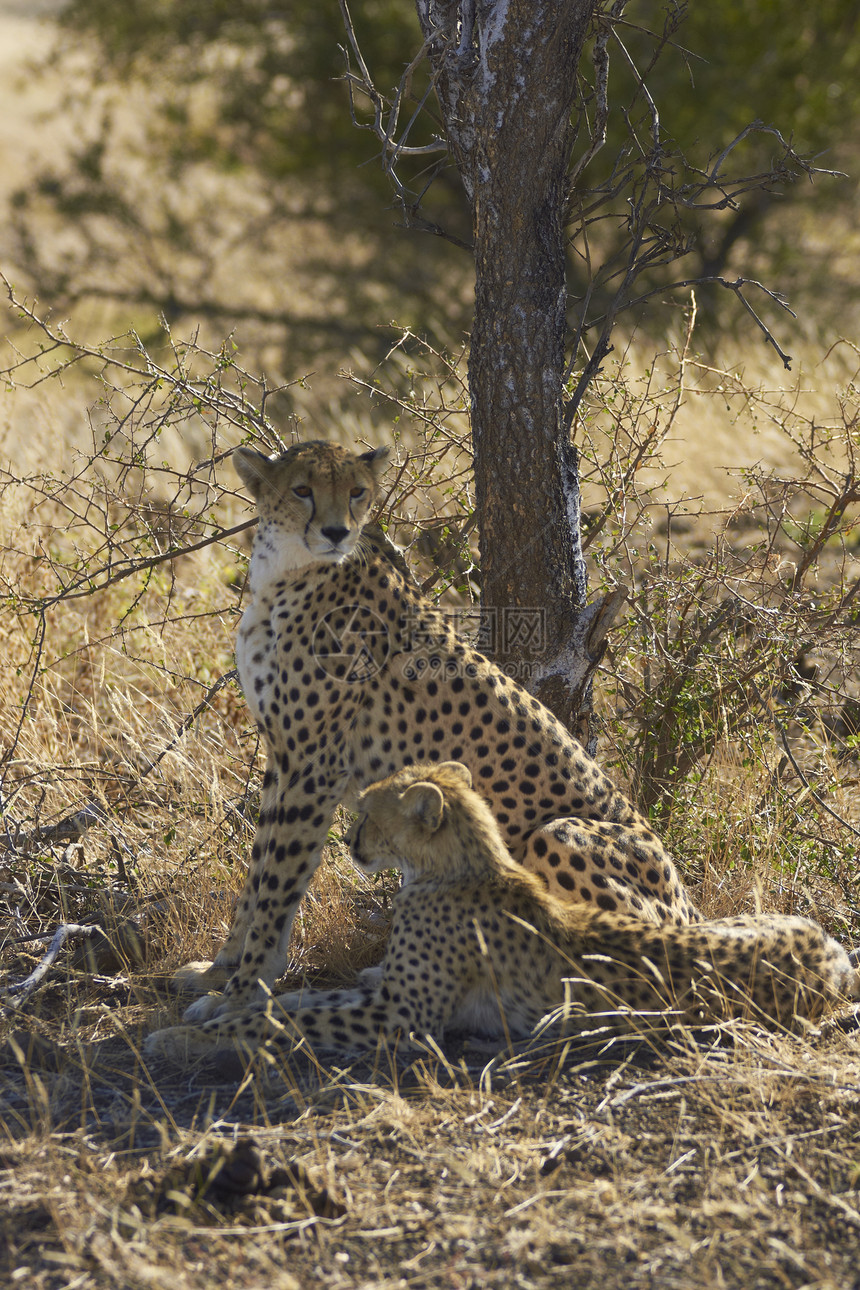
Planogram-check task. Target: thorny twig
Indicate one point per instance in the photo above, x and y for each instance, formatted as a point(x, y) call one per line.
point(88, 586)
point(233, 407)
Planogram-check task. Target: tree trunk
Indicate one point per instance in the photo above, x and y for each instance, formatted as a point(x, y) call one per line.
point(505, 80)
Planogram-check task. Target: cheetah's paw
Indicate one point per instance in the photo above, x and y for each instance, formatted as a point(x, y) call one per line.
point(206, 1007)
point(224, 1005)
point(200, 977)
point(178, 1044)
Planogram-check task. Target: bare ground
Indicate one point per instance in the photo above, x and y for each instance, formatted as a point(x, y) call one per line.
point(733, 1160)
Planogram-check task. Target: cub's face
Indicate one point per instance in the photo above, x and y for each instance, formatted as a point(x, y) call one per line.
point(313, 501)
point(403, 820)
point(374, 839)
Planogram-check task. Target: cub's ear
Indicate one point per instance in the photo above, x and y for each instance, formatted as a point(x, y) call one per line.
point(254, 470)
point(376, 460)
point(458, 771)
point(425, 804)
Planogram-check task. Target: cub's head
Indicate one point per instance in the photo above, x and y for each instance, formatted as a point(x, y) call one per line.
point(426, 820)
point(313, 500)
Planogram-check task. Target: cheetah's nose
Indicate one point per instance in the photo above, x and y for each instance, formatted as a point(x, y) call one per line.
point(335, 533)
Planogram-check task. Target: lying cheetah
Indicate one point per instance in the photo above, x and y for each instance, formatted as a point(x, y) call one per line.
point(351, 673)
point(478, 944)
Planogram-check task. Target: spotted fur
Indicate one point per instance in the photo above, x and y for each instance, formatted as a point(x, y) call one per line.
point(351, 674)
point(479, 944)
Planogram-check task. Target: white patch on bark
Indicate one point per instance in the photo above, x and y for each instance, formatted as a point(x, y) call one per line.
point(573, 507)
point(575, 660)
point(492, 30)
point(571, 663)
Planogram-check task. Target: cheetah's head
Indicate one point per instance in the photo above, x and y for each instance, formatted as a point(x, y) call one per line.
point(421, 820)
point(313, 500)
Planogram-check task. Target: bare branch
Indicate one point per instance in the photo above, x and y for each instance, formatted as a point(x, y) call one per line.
point(385, 125)
point(19, 992)
point(737, 287)
point(600, 59)
point(656, 147)
point(758, 127)
point(89, 586)
point(386, 131)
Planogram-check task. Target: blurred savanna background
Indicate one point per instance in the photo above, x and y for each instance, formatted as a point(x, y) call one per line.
point(201, 248)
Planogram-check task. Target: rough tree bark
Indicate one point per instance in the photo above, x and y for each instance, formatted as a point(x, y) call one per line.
point(505, 74)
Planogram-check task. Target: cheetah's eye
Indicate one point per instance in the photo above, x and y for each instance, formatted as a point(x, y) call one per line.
point(302, 491)
point(357, 492)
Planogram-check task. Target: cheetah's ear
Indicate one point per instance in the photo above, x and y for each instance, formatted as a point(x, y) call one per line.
point(424, 804)
point(376, 460)
point(457, 770)
point(253, 469)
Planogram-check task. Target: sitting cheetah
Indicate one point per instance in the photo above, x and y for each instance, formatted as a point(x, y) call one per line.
point(478, 944)
point(351, 674)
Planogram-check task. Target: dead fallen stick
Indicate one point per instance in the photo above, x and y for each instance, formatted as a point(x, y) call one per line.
point(20, 991)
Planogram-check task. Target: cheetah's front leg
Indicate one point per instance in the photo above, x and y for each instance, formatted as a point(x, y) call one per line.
point(350, 1020)
point(287, 851)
